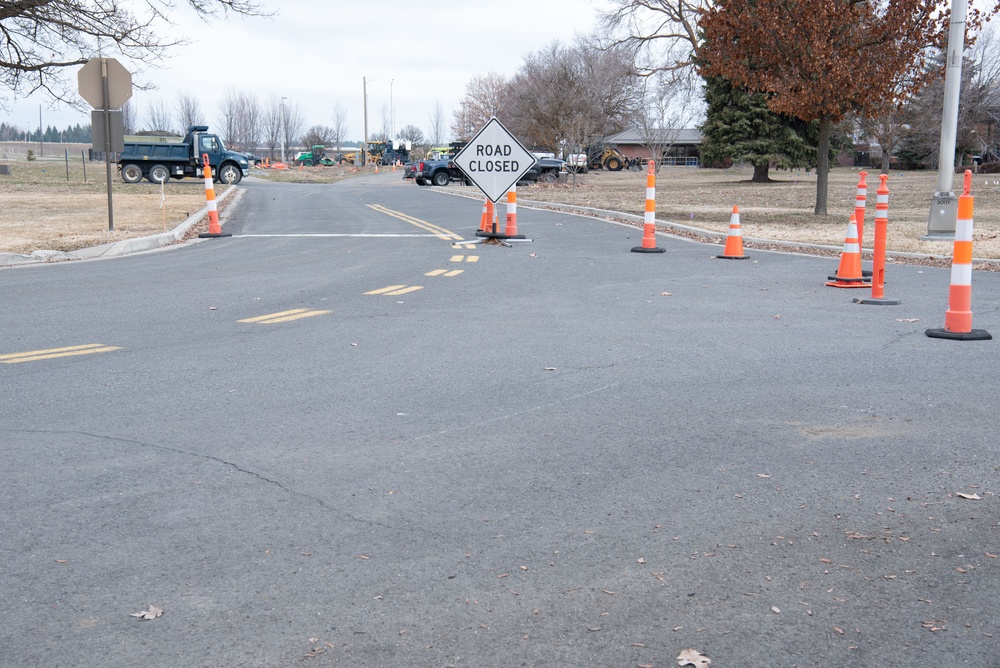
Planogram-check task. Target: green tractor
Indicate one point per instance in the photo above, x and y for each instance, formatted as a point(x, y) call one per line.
point(315, 156)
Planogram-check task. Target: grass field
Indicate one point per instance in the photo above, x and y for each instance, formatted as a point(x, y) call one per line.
point(43, 209)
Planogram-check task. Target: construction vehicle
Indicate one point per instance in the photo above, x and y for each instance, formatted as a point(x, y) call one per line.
point(389, 152)
point(315, 156)
point(176, 158)
point(598, 156)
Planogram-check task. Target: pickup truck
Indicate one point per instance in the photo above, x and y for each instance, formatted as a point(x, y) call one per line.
point(443, 172)
point(174, 158)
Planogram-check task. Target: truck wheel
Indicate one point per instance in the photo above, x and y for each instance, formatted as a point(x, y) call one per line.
point(441, 179)
point(614, 164)
point(548, 177)
point(230, 173)
point(131, 173)
point(158, 174)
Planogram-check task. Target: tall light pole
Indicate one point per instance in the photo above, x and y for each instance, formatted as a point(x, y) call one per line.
point(944, 207)
point(392, 112)
point(364, 146)
point(284, 127)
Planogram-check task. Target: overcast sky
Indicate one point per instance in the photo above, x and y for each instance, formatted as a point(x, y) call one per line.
point(315, 53)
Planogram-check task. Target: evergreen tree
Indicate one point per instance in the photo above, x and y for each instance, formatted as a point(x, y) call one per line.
point(739, 126)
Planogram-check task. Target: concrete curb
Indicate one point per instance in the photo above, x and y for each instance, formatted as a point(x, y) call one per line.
point(707, 235)
point(125, 246)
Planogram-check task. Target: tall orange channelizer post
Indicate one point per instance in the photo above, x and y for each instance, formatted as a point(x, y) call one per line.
point(881, 228)
point(649, 220)
point(734, 240)
point(491, 217)
point(849, 272)
point(214, 229)
point(860, 201)
point(958, 318)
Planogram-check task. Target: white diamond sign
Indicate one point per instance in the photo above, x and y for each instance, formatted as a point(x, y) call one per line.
point(494, 160)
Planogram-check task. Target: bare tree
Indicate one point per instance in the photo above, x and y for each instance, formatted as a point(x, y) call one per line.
point(158, 116)
point(228, 111)
point(293, 123)
point(45, 41)
point(317, 135)
point(665, 114)
point(412, 134)
point(571, 93)
point(130, 115)
point(437, 124)
point(485, 97)
point(338, 131)
point(271, 115)
point(188, 110)
point(661, 35)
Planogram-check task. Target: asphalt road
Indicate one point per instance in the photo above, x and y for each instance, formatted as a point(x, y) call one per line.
point(565, 455)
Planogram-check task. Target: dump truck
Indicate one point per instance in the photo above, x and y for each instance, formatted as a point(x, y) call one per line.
point(177, 158)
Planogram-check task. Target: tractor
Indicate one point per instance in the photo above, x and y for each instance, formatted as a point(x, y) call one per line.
point(316, 156)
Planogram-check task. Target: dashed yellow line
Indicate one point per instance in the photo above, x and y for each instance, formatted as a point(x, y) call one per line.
point(395, 290)
point(53, 353)
point(444, 272)
point(284, 316)
point(437, 230)
point(464, 258)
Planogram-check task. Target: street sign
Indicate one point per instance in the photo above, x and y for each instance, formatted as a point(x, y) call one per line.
point(116, 141)
point(494, 160)
point(92, 76)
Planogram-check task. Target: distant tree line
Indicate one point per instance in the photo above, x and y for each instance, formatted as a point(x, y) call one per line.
point(71, 134)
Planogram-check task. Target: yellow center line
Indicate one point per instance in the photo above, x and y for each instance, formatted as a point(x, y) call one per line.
point(437, 230)
point(403, 291)
point(53, 353)
point(261, 318)
point(297, 316)
point(382, 291)
point(436, 272)
point(454, 272)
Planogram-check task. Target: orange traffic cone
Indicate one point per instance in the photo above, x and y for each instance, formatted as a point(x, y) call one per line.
point(734, 240)
point(958, 318)
point(849, 272)
point(483, 220)
point(214, 228)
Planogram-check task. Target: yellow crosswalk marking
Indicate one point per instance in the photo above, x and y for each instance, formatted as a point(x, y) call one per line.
point(403, 291)
point(457, 258)
point(472, 258)
point(284, 316)
point(53, 353)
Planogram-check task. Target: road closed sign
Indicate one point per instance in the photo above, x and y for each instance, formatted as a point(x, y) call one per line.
point(494, 160)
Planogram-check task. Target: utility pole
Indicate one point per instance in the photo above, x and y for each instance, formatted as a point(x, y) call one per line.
point(284, 128)
point(364, 146)
point(944, 207)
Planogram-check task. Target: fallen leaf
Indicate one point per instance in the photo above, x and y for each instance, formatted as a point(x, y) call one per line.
point(763, 475)
point(971, 497)
point(775, 609)
point(549, 368)
point(640, 560)
point(776, 317)
point(666, 294)
point(362, 556)
point(62, 561)
point(838, 630)
point(533, 255)
point(692, 657)
point(152, 613)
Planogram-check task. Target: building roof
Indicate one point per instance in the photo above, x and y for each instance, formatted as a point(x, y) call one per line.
point(682, 137)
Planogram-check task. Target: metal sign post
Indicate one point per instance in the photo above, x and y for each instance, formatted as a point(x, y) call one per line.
point(106, 85)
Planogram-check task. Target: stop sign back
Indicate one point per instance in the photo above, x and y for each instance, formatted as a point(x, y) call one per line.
point(91, 79)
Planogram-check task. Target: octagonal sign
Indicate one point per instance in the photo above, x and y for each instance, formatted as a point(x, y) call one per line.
point(494, 160)
point(91, 78)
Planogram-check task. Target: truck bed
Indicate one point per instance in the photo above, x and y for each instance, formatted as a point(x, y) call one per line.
point(165, 152)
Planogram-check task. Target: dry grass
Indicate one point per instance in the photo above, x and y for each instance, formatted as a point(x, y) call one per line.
point(41, 209)
point(783, 210)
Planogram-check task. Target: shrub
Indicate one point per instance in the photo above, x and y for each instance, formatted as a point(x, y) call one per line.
point(989, 168)
point(31, 155)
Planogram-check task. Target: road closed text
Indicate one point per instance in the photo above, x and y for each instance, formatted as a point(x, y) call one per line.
point(483, 163)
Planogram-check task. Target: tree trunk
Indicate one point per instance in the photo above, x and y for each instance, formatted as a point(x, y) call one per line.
point(822, 165)
point(885, 162)
point(760, 173)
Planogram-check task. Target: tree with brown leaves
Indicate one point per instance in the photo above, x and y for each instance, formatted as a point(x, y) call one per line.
point(821, 59)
